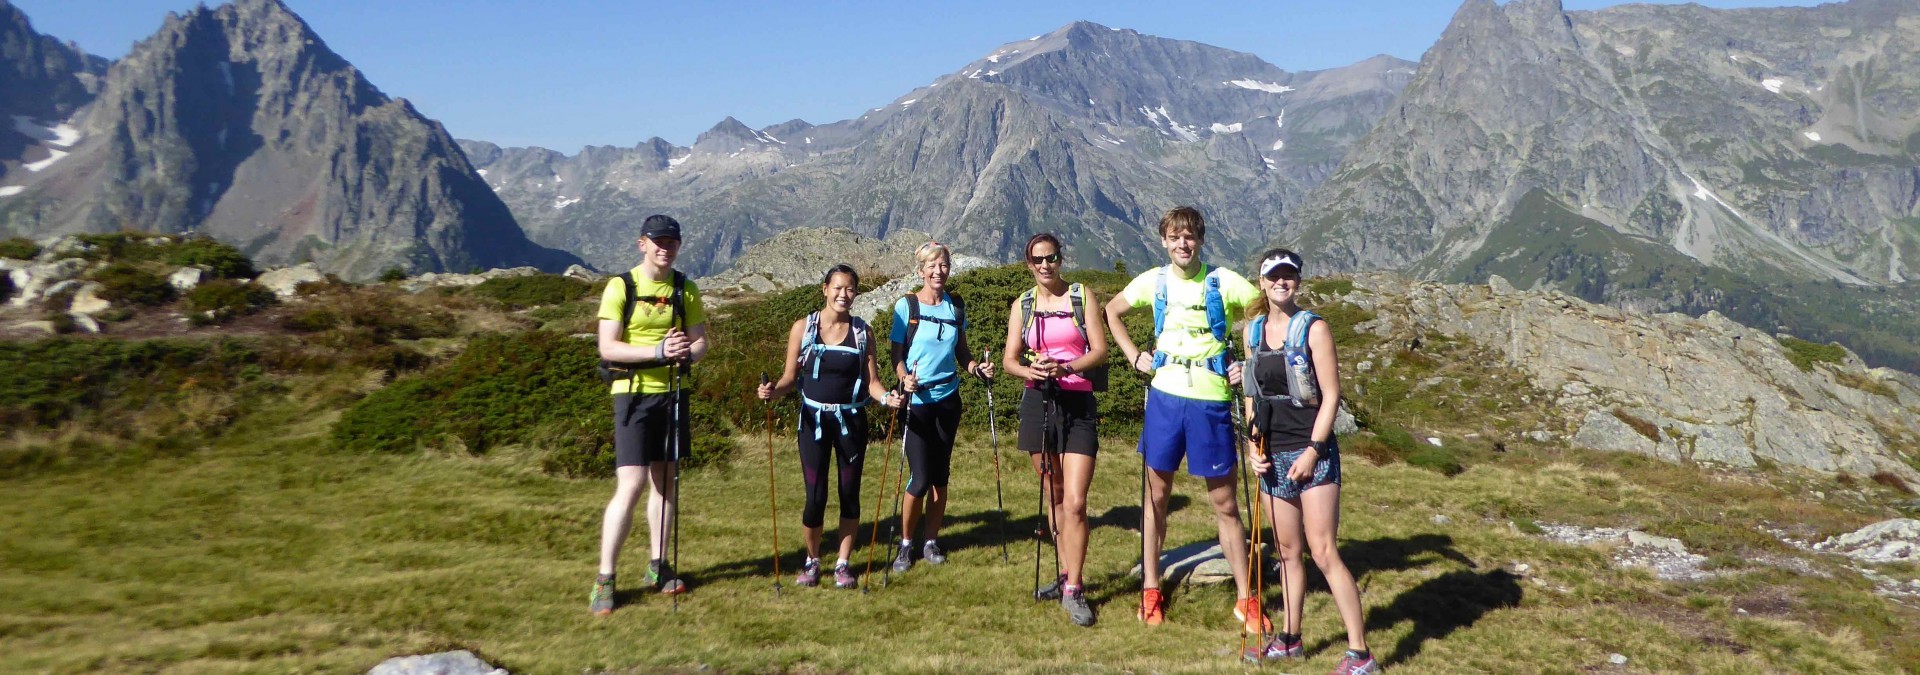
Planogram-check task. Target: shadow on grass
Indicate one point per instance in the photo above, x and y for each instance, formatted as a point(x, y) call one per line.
point(1438, 607)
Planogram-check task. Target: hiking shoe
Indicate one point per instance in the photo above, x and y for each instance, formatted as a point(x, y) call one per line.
point(1074, 600)
point(1249, 611)
point(1051, 591)
point(843, 576)
point(601, 602)
point(1283, 647)
point(1352, 666)
point(1153, 607)
point(904, 561)
point(660, 575)
point(809, 574)
point(932, 554)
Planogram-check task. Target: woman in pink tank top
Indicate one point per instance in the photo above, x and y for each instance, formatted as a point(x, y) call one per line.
point(1053, 346)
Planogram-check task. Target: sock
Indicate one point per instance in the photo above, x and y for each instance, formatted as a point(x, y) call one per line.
point(842, 563)
point(603, 579)
point(1070, 588)
point(811, 561)
point(1290, 638)
point(907, 543)
point(929, 542)
point(1360, 655)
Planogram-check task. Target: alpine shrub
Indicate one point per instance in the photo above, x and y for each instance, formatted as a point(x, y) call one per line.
point(392, 274)
point(531, 291)
point(125, 283)
point(1804, 354)
point(223, 300)
point(222, 260)
point(19, 248)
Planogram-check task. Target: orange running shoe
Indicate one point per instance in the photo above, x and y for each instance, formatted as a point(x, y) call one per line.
point(1252, 615)
point(1153, 607)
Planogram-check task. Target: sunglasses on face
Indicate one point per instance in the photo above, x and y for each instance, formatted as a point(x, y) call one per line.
point(1283, 273)
point(1043, 259)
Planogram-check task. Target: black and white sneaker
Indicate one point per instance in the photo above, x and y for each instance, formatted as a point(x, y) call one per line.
point(1051, 591)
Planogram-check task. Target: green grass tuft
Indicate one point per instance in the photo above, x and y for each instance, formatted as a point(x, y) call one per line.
point(1804, 354)
point(530, 291)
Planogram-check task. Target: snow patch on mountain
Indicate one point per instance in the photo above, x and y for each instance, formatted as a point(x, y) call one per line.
point(1257, 85)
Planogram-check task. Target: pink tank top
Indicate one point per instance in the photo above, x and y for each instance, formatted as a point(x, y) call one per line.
point(1059, 338)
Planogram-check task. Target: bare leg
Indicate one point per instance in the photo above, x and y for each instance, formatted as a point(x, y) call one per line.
point(1159, 486)
point(1320, 508)
point(660, 513)
point(910, 514)
point(936, 512)
point(1072, 514)
point(1287, 543)
point(812, 535)
point(848, 526)
point(628, 481)
point(1233, 538)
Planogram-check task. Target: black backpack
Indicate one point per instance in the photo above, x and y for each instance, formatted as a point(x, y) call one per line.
point(913, 315)
point(611, 371)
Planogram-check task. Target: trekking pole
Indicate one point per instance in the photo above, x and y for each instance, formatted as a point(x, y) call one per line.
point(998, 499)
point(886, 463)
point(772, 504)
point(900, 482)
point(675, 526)
point(1146, 388)
point(1248, 505)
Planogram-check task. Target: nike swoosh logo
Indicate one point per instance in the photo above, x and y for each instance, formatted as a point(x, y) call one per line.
point(1218, 467)
point(853, 459)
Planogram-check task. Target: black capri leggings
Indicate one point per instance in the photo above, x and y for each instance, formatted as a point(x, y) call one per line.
point(850, 445)
point(930, 432)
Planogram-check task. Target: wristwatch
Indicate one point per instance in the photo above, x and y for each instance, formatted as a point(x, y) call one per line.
point(1066, 368)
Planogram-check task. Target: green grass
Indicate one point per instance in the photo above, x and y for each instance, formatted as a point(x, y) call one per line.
point(1804, 354)
point(267, 552)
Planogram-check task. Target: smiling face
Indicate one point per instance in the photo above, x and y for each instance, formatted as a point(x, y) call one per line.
point(839, 291)
point(935, 270)
point(659, 252)
point(1183, 246)
point(1043, 258)
point(1281, 286)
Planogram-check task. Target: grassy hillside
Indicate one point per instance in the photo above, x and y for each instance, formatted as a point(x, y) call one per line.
point(361, 473)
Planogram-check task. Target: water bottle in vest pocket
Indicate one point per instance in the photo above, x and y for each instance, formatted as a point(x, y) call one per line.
point(1302, 387)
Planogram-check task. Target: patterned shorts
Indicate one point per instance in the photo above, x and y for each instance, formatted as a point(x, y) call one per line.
point(1325, 472)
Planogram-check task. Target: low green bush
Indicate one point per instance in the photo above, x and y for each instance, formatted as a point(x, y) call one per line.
point(19, 248)
point(223, 261)
point(530, 291)
point(222, 300)
point(392, 274)
point(53, 380)
point(1804, 354)
point(128, 284)
point(532, 387)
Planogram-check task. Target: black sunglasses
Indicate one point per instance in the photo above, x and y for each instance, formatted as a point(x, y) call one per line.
point(1048, 258)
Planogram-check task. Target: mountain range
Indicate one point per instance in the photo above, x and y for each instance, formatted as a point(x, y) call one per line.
point(239, 123)
point(1088, 131)
point(1760, 162)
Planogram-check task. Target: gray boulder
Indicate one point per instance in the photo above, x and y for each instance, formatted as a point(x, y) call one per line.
point(87, 300)
point(285, 282)
point(36, 281)
point(186, 278)
point(461, 662)
point(1887, 541)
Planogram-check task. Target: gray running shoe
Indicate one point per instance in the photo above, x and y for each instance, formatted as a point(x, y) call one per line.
point(1352, 666)
point(1051, 591)
point(601, 602)
point(932, 554)
point(660, 575)
point(1074, 600)
point(904, 561)
point(809, 574)
point(843, 576)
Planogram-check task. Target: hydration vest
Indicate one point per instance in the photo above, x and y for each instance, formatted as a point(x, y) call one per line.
point(812, 352)
point(1216, 323)
point(610, 371)
point(1303, 389)
point(1077, 296)
point(913, 325)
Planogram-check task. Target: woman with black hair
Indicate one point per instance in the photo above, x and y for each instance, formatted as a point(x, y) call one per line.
point(830, 360)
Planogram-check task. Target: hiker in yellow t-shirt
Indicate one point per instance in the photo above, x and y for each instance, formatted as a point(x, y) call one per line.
point(1188, 415)
point(652, 325)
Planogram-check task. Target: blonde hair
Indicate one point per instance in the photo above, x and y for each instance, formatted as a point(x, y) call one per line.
point(1183, 218)
point(929, 251)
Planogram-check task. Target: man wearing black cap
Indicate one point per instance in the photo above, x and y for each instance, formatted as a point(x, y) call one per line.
point(652, 324)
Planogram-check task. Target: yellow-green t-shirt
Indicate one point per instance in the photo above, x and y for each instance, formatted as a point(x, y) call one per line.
point(1185, 334)
point(652, 316)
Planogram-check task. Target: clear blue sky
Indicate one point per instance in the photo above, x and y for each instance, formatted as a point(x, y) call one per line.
point(567, 73)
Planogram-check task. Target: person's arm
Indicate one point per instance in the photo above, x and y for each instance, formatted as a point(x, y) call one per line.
point(980, 369)
point(870, 360)
point(613, 349)
point(697, 350)
point(1326, 369)
point(1096, 338)
point(790, 373)
point(1116, 309)
point(1016, 343)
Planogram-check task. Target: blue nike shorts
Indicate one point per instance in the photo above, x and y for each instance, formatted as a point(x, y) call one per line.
point(1178, 427)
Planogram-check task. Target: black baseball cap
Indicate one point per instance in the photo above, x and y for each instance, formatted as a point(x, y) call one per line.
point(658, 226)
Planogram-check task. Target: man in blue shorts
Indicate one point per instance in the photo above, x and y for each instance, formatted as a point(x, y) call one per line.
point(1188, 411)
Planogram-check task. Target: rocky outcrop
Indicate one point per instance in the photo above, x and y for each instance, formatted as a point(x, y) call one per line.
point(798, 257)
point(460, 662)
point(1668, 385)
point(42, 83)
point(238, 122)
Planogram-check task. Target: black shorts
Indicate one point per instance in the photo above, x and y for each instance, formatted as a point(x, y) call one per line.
point(640, 429)
point(1072, 423)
